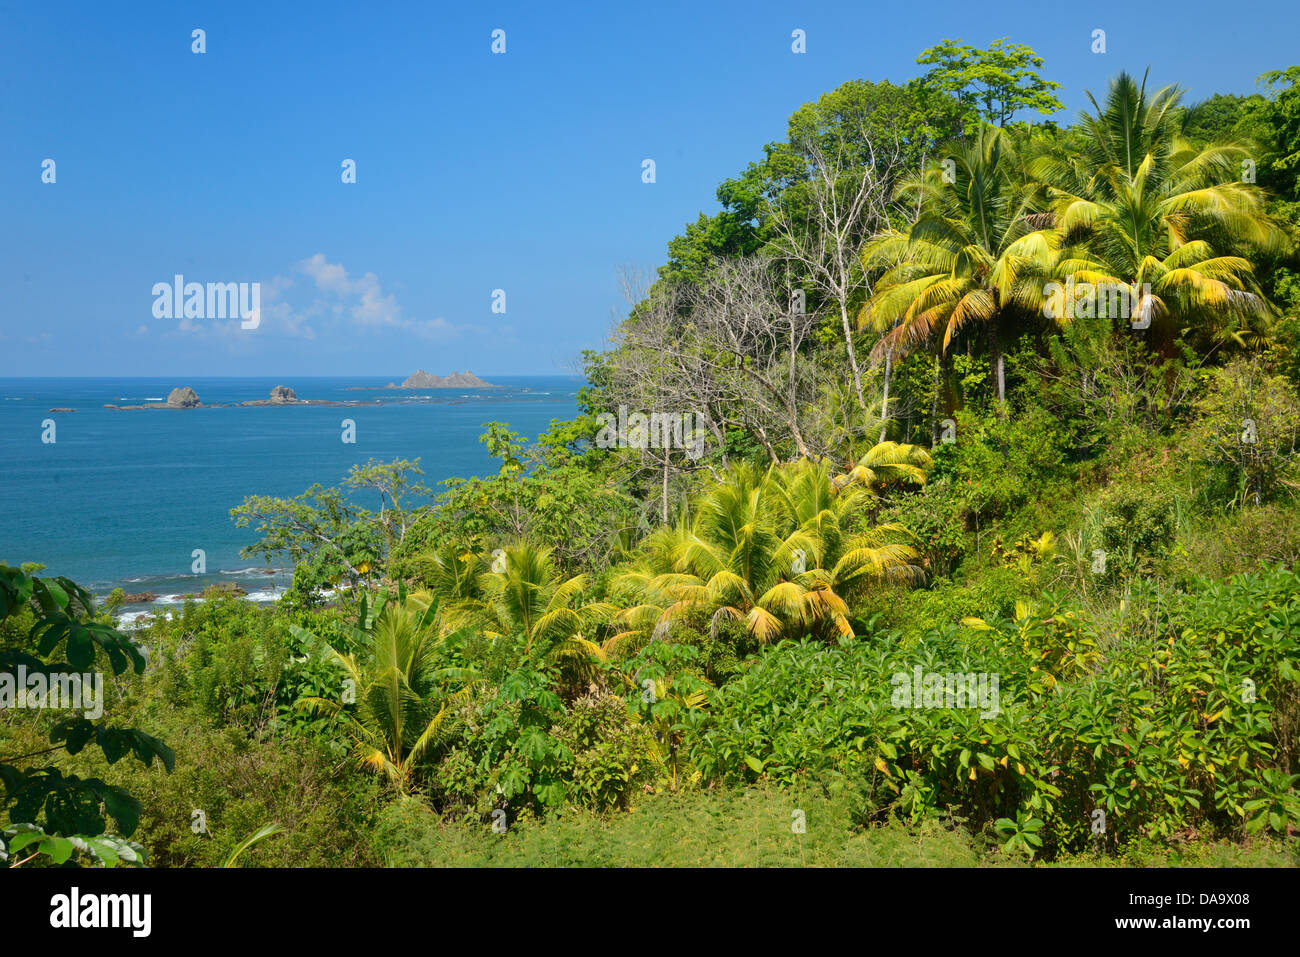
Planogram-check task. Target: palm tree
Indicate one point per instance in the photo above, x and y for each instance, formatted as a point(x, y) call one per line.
point(1140, 208)
point(835, 510)
point(886, 462)
point(529, 596)
point(961, 263)
point(767, 549)
point(451, 573)
point(517, 592)
point(389, 657)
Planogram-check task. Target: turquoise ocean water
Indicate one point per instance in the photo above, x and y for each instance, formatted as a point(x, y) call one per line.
point(123, 497)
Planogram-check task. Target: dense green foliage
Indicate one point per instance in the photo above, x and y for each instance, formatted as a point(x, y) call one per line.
point(51, 814)
point(978, 564)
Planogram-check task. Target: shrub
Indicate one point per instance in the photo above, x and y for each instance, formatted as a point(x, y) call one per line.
point(241, 784)
point(1247, 434)
point(611, 751)
point(1188, 727)
point(1240, 542)
point(1135, 525)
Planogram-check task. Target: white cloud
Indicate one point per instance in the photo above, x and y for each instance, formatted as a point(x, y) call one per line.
point(363, 301)
point(333, 278)
point(339, 300)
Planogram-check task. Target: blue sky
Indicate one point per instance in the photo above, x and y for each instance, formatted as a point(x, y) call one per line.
point(475, 171)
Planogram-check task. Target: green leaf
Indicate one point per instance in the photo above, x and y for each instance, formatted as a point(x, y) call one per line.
point(50, 596)
point(19, 841)
point(58, 848)
point(124, 808)
point(261, 834)
point(104, 850)
point(81, 648)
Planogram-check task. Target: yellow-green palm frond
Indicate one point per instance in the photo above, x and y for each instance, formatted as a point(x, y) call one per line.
point(624, 643)
point(557, 621)
point(823, 605)
point(726, 584)
point(888, 461)
point(640, 616)
point(891, 562)
point(762, 624)
point(785, 600)
point(978, 305)
point(427, 736)
point(567, 591)
point(577, 646)
point(674, 585)
point(320, 706)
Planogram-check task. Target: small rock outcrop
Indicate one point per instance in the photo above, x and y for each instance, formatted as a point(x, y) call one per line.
point(219, 589)
point(183, 398)
point(283, 395)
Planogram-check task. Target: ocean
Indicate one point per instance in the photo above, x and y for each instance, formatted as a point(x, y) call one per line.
point(124, 497)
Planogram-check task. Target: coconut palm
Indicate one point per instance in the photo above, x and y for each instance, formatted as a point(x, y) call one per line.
point(886, 462)
point(529, 596)
point(961, 264)
point(854, 549)
point(767, 549)
point(389, 658)
point(734, 559)
point(451, 573)
point(1139, 207)
point(518, 590)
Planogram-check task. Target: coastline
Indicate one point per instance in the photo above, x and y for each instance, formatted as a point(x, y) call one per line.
point(130, 498)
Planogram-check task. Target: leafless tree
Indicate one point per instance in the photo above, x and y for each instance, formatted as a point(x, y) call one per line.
point(659, 370)
point(750, 331)
point(823, 223)
point(729, 347)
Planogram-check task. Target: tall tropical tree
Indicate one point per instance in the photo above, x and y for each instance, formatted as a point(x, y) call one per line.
point(993, 84)
point(960, 266)
point(1139, 208)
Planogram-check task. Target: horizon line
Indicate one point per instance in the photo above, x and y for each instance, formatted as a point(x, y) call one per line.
point(377, 375)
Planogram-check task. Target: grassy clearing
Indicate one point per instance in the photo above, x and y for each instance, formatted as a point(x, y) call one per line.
point(739, 828)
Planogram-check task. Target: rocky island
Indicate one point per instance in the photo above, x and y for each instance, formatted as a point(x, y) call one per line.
point(457, 380)
point(186, 398)
point(179, 398)
point(425, 380)
point(280, 395)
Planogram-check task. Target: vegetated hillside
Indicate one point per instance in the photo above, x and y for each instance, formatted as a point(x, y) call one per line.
point(941, 485)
